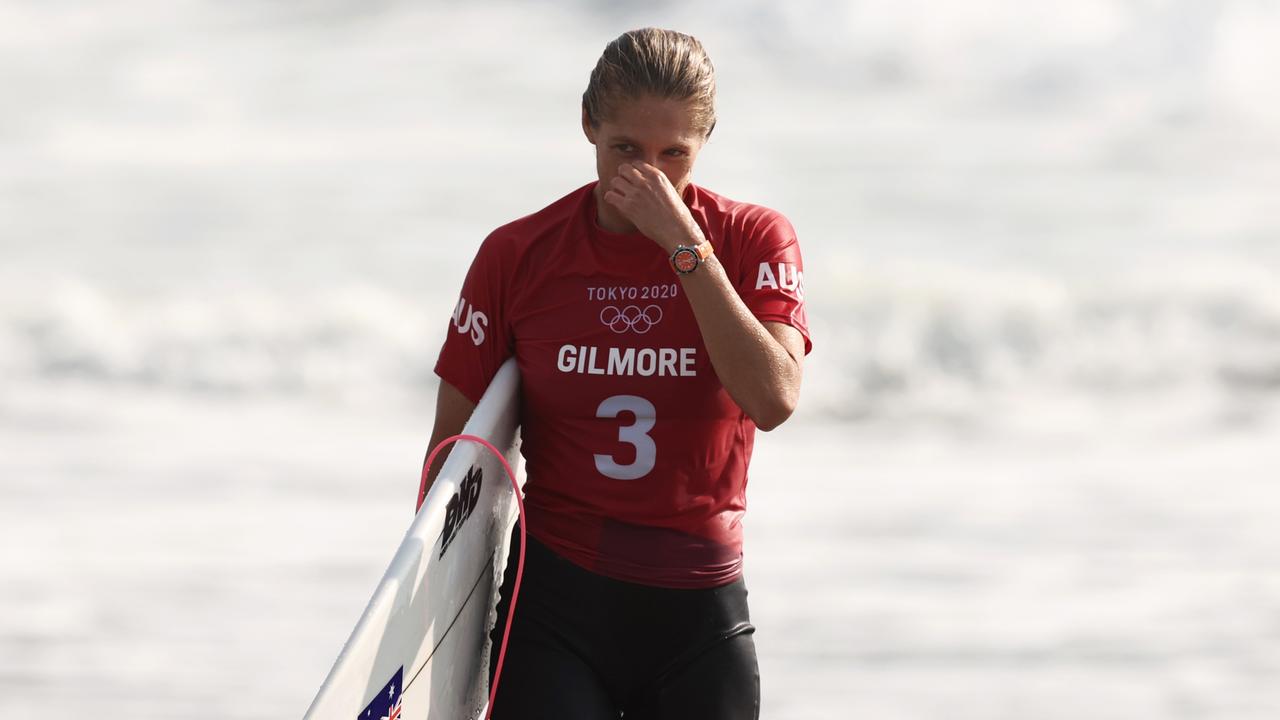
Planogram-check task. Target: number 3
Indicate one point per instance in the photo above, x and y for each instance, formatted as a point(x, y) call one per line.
point(636, 433)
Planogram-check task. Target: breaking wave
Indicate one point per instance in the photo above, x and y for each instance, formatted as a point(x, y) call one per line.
point(905, 341)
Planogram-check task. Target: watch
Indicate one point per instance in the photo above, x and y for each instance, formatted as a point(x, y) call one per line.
point(687, 258)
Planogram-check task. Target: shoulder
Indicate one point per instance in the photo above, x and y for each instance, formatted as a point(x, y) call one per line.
point(516, 236)
point(742, 221)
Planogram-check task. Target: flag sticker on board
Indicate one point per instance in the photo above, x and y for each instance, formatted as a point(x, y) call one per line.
point(386, 704)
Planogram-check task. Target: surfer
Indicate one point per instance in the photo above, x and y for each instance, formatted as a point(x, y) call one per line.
point(656, 325)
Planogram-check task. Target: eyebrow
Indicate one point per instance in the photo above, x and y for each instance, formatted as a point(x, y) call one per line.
point(632, 141)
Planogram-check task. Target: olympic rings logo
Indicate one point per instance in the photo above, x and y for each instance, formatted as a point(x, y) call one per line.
point(631, 317)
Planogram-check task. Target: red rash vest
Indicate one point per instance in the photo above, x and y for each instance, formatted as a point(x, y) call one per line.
point(635, 453)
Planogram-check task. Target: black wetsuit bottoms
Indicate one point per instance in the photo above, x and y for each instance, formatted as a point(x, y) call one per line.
point(587, 647)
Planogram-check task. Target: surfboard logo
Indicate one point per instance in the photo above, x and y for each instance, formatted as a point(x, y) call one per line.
point(460, 506)
point(386, 704)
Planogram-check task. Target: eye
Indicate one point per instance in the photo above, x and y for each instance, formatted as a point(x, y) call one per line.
point(625, 148)
point(676, 152)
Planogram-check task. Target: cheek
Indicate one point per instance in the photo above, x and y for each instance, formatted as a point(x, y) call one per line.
point(607, 164)
point(678, 170)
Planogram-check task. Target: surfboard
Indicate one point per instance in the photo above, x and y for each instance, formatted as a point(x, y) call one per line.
point(420, 651)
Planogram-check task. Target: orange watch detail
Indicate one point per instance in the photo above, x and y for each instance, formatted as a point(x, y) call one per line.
point(687, 258)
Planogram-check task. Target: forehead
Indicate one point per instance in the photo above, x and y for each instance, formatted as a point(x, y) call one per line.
point(653, 119)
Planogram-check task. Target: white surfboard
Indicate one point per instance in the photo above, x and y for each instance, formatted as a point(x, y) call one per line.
point(420, 650)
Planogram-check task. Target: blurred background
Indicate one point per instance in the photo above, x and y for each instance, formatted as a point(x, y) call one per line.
point(1034, 470)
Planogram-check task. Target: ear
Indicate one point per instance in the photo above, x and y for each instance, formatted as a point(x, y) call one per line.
point(587, 128)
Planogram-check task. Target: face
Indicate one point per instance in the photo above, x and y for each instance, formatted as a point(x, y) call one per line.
point(659, 131)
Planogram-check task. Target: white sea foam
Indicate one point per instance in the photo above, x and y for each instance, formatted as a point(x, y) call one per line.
point(902, 341)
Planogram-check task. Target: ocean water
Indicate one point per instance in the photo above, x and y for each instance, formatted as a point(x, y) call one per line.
point(1033, 473)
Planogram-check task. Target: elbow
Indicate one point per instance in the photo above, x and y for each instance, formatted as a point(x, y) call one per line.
point(775, 401)
point(775, 414)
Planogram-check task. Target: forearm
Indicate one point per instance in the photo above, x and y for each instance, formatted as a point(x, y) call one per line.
point(756, 370)
point(453, 409)
point(753, 362)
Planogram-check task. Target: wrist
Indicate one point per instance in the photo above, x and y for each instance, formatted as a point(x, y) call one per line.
point(685, 232)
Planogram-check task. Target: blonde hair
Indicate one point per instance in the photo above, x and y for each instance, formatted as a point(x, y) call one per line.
point(651, 61)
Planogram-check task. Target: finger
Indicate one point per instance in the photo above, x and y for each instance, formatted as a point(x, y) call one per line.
point(621, 184)
point(646, 170)
point(661, 178)
point(615, 198)
point(650, 176)
point(630, 171)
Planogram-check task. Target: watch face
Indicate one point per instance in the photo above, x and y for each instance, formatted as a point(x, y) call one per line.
point(686, 260)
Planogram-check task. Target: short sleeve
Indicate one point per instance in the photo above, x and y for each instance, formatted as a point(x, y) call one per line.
point(771, 280)
point(479, 338)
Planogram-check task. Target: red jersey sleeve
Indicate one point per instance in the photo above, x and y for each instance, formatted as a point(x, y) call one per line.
point(771, 281)
point(479, 337)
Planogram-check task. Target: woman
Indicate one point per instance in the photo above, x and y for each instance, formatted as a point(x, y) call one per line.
point(655, 324)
